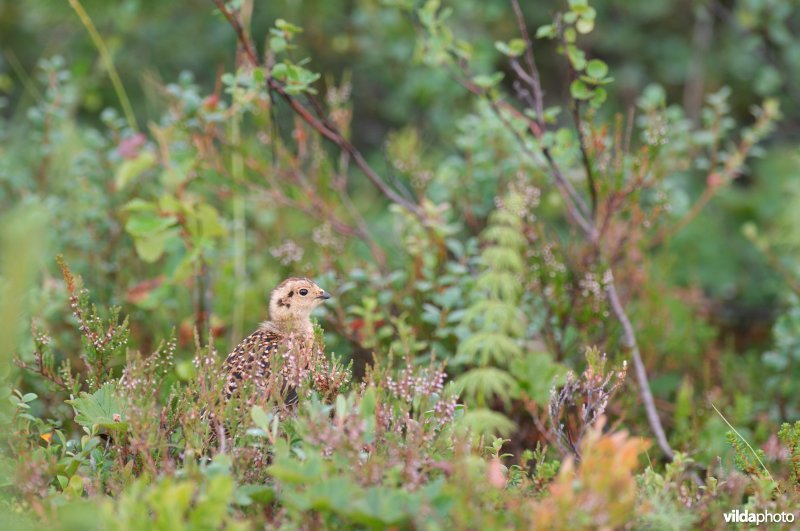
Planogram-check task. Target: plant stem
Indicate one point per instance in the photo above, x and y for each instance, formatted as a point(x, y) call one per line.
point(108, 62)
point(629, 341)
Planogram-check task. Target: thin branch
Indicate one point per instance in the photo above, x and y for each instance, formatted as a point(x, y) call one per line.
point(587, 164)
point(715, 180)
point(576, 206)
point(562, 184)
point(534, 82)
point(629, 341)
point(531, 77)
point(328, 131)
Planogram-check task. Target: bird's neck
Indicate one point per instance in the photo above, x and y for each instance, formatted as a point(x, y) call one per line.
point(301, 328)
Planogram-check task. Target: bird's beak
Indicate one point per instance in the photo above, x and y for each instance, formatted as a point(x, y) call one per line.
point(325, 296)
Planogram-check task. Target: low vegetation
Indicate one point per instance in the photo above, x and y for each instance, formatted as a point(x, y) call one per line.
point(518, 337)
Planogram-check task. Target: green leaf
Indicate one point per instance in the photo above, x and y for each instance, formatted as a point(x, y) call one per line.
point(599, 97)
point(211, 507)
point(576, 57)
point(169, 203)
point(259, 76)
point(254, 493)
point(296, 78)
point(210, 223)
point(382, 507)
point(487, 422)
point(596, 69)
point(488, 81)
point(150, 247)
point(488, 382)
point(584, 25)
point(287, 27)
point(536, 373)
point(102, 408)
point(130, 169)
point(579, 90)
point(279, 71)
point(514, 48)
point(145, 223)
point(75, 486)
point(551, 114)
point(277, 44)
point(291, 471)
point(548, 31)
point(341, 406)
point(368, 403)
point(261, 418)
point(139, 205)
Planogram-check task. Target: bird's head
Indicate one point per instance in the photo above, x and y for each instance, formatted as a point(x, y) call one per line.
point(292, 302)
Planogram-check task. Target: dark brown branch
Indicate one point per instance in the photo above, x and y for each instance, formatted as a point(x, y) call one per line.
point(328, 131)
point(530, 60)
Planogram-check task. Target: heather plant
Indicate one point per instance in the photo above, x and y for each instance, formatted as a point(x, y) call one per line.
point(580, 403)
point(789, 436)
point(386, 453)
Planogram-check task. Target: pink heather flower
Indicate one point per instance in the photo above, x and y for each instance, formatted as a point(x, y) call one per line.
point(128, 148)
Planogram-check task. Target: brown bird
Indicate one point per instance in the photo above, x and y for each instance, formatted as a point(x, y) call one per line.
point(289, 325)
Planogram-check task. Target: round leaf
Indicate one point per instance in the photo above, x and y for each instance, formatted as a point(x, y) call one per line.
point(596, 69)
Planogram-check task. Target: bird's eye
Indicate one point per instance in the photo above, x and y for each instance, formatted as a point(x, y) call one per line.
point(303, 292)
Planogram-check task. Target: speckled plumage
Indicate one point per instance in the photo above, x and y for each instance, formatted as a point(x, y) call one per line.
point(250, 361)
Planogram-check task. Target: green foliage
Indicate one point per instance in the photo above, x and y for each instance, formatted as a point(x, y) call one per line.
point(589, 75)
point(784, 358)
point(494, 318)
point(202, 503)
point(102, 409)
point(662, 493)
point(747, 460)
point(537, 374)
point(185, 225)
point(789, 436)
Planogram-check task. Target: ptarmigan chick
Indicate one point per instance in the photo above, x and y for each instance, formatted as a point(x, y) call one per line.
point(290, 307)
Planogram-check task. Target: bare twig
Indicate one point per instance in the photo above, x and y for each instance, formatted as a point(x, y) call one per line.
point(629, 341)
point(530, 60)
